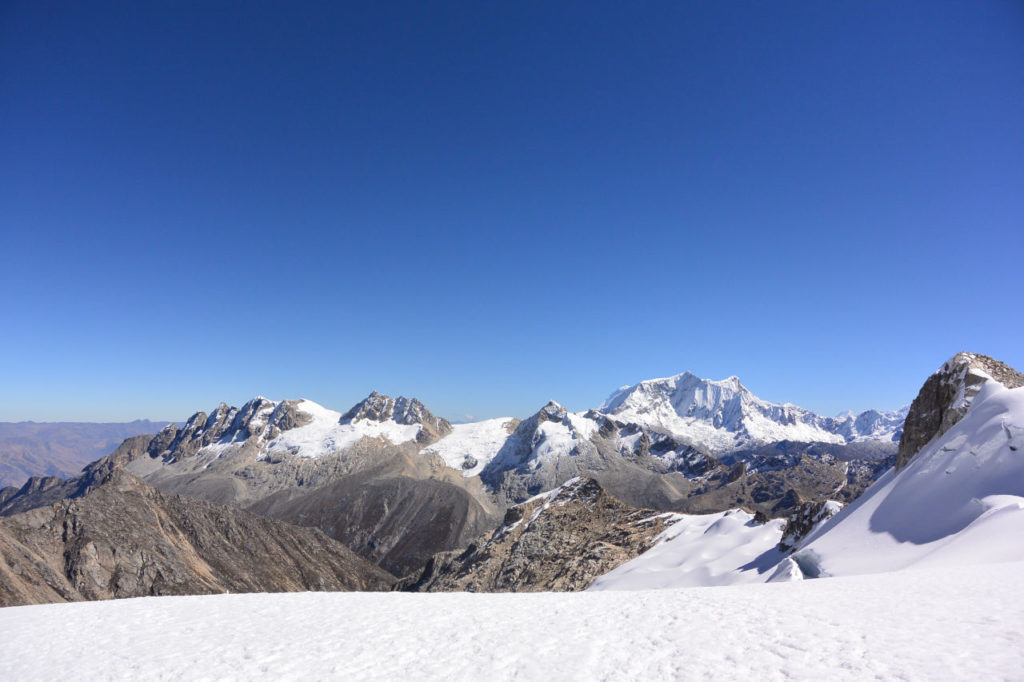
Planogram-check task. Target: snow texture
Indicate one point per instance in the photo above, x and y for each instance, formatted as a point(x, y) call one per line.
point(324, 435)
point(474, 442)
point(952, 623)
point(727, 548)
point(960, 500)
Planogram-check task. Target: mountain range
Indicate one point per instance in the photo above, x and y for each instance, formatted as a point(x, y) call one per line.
point(670, 472)
point(397, 484)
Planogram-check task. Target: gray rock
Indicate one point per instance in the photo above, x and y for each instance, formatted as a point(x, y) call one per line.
point(378, 407)
point(561, 541)
point(946, 396)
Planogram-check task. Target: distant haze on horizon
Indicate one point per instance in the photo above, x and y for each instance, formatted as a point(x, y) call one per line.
point(488, 206)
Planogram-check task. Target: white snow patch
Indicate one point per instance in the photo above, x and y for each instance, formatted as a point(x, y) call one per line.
point(324, 435)
point(481, 440)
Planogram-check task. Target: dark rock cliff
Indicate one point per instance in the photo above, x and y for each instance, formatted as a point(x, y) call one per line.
point(946, 396)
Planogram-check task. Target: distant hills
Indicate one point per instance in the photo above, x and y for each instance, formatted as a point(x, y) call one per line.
point(60, 448)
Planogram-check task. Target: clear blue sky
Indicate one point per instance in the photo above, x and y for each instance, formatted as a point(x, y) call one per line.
point(490, 204)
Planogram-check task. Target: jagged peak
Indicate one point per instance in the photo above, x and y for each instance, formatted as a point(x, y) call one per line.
point(679, 383)
point(985, 365)
point(552, 411)
point(406, 411)
point(375, 407)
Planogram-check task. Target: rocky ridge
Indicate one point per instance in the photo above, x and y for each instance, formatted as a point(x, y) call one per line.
point(386, 477)
point(122, 538)
point(401, 410)
point(558, 541)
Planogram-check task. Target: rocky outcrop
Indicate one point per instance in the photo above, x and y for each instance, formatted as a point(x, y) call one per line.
point(946, 396)
point(125, 539)
point(39, 492)
point(408, 411)
point(561, 541)
point(259, 418)
point(802, 522)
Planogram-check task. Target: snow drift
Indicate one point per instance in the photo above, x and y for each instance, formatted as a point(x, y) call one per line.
point(960, 500)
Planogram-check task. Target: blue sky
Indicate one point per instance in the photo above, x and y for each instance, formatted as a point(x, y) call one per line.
point(490, 204)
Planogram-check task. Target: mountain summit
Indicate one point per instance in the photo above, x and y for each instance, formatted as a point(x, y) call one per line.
point(724, 416)
point(401, 410)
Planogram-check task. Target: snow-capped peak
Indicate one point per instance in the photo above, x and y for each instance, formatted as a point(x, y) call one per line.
point(552, 412)
point(299, 428)
point(722, 416)
point(685, 390)
point(401, 410)
point(718, 415)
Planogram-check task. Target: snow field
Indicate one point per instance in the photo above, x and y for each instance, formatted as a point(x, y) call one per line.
point(481, 440)
point(702, 550)
point(953, 623)
point(324, 435)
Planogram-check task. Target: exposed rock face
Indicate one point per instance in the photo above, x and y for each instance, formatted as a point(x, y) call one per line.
point(561, 540)
point(7, 494)
point(38, 492)
point(805, 519)
point(393, 510)
point(259, 418)
point(125, 539)
point(946, 396)
point(384, 500)
point(402, 410)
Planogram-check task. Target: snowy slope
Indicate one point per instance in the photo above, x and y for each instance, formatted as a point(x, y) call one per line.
point(951, 624)
point(325, 434)
point(470, 447)
point(960, 500)
point(702, 550)
point(258, 424)
point(553, 433)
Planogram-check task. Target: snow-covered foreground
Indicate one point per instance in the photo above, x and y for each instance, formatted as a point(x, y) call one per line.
point(942, 623)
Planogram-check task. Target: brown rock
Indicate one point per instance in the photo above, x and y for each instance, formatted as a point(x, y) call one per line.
point(125, 539)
